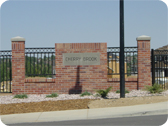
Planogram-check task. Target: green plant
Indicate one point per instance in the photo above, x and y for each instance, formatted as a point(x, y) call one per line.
point(85, 93)
point(104, 93)
point(156, 88)
point(52, 95)
point(126, 91)
point(21, 96)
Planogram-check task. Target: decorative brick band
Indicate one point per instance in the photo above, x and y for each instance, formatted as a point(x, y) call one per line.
point(126, 79)
point(80, 46)
point(39, 80)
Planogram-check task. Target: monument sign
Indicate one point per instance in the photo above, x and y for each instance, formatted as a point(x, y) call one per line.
point(81, 59)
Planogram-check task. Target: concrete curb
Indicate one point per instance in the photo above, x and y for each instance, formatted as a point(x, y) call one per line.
point(84, 114)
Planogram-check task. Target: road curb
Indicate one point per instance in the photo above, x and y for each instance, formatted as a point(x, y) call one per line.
point(84, 114)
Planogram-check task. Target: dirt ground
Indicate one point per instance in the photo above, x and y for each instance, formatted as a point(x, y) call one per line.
point(126, 101)
point(43, 106)
point(76, 104)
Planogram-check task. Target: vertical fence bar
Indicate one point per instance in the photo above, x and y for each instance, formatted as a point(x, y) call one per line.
point(30, 63)
point(34, 64)
point(153, 66)
point(161, 79)
point(159, 68)
point(52, 63)
point(44, 64)
point(41, 63)
point(48, 62)
point(0, 72)
point(157, 65)
point(133, 64)
point(3, 74)
point(6, 75)
point(37, 65)
point(126, 63)
point(10, 74)
point(26, 65)
point(164, 70)
point(108, 62)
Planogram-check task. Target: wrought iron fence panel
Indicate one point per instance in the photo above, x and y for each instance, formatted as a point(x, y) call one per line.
point(40, 62)
point(5, 71)
point(131, 65)
point(159, 69)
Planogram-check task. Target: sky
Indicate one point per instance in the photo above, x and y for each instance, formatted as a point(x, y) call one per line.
point(43, 23)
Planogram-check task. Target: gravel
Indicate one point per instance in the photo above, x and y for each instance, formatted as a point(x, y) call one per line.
point(8, 99)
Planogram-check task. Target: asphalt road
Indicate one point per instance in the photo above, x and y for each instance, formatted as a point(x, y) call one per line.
point(154, 120)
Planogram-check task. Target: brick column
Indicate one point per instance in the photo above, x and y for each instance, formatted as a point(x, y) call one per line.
point(18, 65)
point(144, 61)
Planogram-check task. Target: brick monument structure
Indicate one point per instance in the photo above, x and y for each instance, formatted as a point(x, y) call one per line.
point(79, 67)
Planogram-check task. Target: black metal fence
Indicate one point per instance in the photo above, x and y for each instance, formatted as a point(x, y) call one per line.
point(159, 63)
point(131, 64)
point(40, 62)
point(5, 71)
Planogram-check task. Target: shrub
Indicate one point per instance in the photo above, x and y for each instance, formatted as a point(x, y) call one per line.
point(104, 93)
point(126, 91)
point(52, 95)
point(156, 88)
point(21, 96)
point(85, 93)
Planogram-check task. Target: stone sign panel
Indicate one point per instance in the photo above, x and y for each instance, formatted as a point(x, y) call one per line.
point(81, 59)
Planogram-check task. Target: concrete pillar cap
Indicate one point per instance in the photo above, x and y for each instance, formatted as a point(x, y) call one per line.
point(143, 37)
point(17, 38)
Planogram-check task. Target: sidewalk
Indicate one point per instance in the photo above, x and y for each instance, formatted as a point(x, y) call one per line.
point(125, 111)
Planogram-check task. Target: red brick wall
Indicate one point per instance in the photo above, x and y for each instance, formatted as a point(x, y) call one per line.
point(130, 83)
point(77, 79)
point(18, 67)
point(144, 63)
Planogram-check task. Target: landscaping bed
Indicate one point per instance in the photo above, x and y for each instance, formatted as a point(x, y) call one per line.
point(42, 103)
point(43, 106)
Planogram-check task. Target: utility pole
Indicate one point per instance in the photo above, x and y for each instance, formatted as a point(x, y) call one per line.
point(122, 71)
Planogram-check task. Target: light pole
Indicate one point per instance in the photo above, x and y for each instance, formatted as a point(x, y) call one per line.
point(122, 72)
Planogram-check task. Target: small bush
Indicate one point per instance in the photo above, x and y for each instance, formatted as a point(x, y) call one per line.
point(126, 91)
point(86, 93)
point(104, 93)
point(21, 96)
point(52, 95)
point(156, 88)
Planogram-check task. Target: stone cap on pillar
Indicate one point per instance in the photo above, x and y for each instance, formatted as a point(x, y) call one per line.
point(143, 37)
point(17, 39)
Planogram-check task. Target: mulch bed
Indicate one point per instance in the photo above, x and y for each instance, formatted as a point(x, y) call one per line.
point(43, 106)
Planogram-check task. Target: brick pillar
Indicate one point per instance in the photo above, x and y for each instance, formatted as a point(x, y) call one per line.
point(144, 61)
point(18, 65)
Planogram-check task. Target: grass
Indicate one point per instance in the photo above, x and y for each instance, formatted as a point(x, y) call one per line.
point(103, 93)
point(52, 95)
point(86, 93)
point(126, 91)
point(22, 96)
point(156, 88)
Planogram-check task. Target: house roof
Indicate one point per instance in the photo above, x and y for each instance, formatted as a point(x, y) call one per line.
point(163, 48)
point(161, 51)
